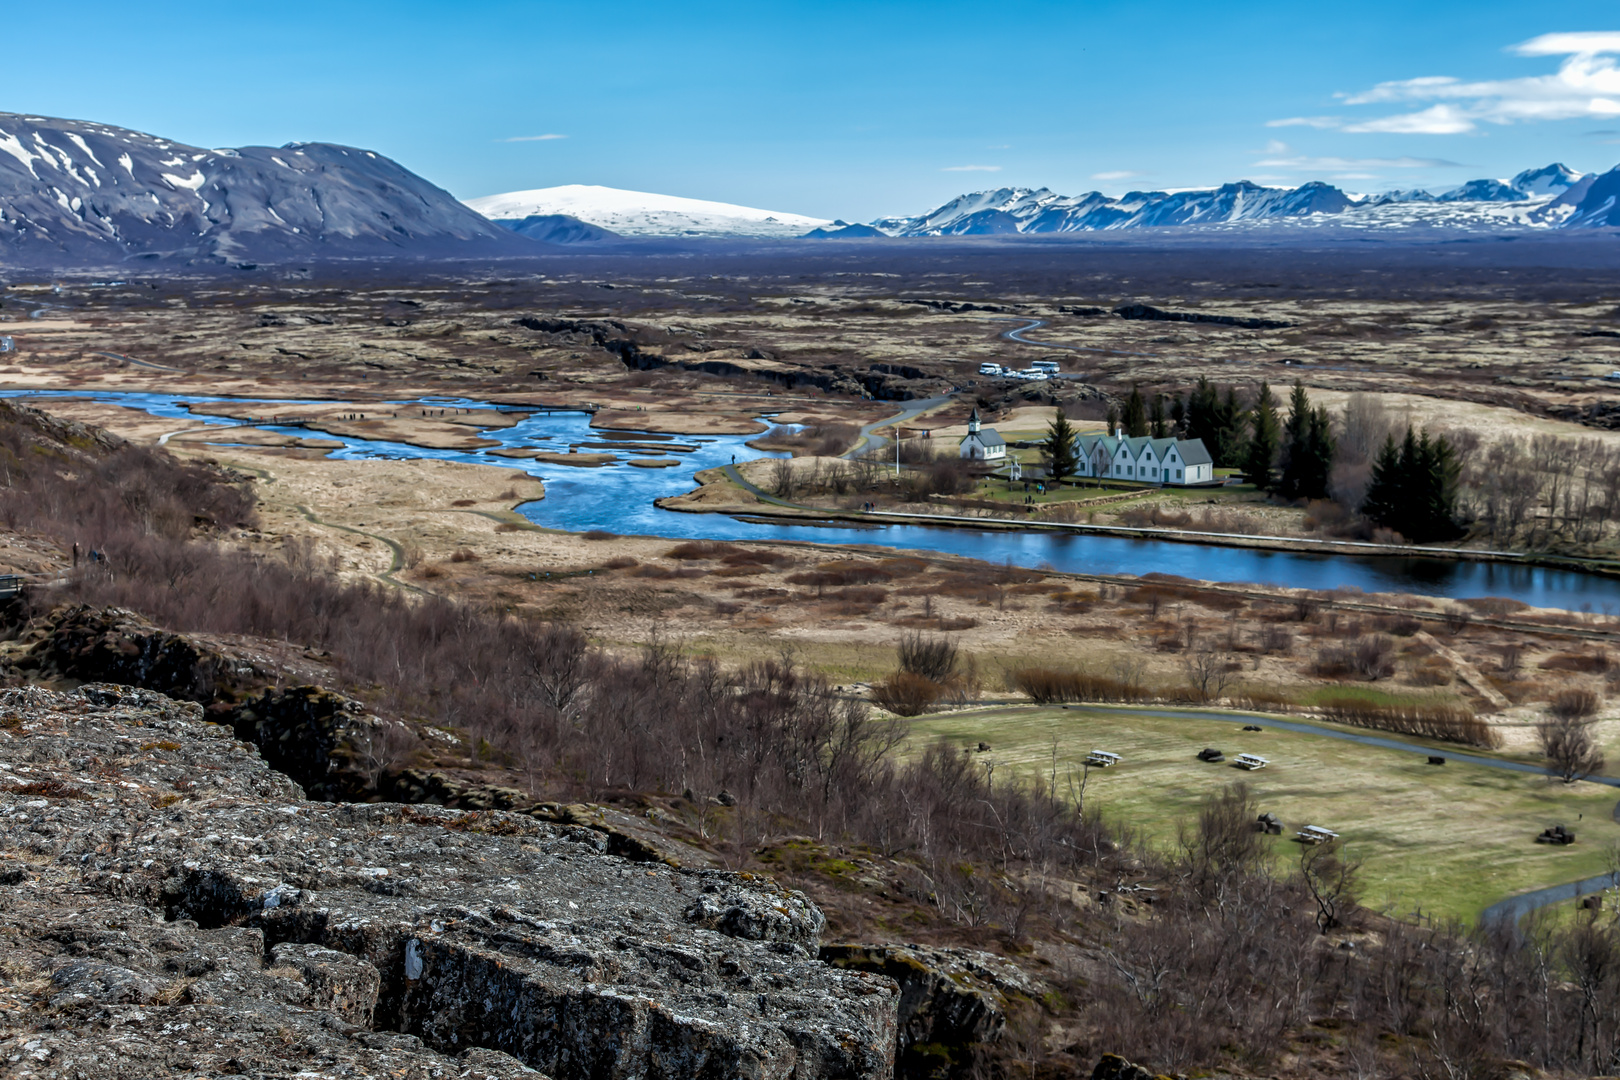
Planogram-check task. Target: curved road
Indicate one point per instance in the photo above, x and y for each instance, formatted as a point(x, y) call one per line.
point(1035, 324)
point(914, 409)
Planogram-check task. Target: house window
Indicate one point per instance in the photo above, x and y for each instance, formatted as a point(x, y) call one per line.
point(1178, 474)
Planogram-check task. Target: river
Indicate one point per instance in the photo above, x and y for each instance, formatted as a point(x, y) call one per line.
point(620, 499)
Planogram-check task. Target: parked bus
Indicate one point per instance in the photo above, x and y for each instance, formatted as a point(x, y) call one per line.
point(1048, 366)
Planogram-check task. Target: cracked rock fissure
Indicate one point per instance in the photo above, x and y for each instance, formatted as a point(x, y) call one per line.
point(176, 906)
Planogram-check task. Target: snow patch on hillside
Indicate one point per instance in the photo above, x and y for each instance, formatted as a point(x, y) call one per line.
point(642, 213)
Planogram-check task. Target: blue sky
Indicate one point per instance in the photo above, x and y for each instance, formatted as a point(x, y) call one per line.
point(850, 110)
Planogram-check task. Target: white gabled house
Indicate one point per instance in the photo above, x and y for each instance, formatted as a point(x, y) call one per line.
point(1177, 462)
point(982, 444)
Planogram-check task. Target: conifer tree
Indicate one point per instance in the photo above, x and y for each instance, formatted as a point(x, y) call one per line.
point(1231, 431)
point(1321, 448)
point(1058, 449)
point(1262, 449)
point(1136, 420)
point(1307, 450)
point(1159, 428)
point(1203, 408)
point(1414, 488)
point(1112, 420)
point(1386, 491)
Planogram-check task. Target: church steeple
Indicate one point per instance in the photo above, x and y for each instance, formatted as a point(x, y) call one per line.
point(973, 422)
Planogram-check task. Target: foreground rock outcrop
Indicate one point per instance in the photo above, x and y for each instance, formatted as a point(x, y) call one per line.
point(169, 906)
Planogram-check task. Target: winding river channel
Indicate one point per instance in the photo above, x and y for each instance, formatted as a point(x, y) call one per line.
point(621, 499)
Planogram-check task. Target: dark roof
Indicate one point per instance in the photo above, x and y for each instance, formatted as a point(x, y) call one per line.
point(1193, 452)
point(988, 436)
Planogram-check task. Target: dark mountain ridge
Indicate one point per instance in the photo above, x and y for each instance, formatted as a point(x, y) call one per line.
point(80, 191)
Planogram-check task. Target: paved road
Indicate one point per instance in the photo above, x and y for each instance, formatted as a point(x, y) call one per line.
point(912, 410)
point(1018, 333)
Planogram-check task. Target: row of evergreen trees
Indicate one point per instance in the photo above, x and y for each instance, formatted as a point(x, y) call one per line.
point(1292, 459)
point(1413, 489)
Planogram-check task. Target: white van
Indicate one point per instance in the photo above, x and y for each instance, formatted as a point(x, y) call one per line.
point(989, 369)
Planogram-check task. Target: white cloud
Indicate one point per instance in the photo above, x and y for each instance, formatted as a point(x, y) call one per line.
point(1307, 121)
point(971, 168)
point(1282, 156)
point(1586, 84)
point(1117, 174)
point(1435, 120)
point(532, 138)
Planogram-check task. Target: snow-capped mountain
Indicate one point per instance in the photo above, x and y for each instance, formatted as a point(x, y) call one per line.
point(641, 213)
point(1592, 202)
point(73, 190)
point(1534, 198)
point(1554, 179)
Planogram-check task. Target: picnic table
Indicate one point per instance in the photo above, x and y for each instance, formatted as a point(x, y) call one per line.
point(1315, 834)
point(1102, 759)
point(1251, 761)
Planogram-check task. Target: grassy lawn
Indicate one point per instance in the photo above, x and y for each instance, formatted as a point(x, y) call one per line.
point(1447, 839)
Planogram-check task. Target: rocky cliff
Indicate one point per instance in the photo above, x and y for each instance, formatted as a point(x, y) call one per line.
point(169, 905)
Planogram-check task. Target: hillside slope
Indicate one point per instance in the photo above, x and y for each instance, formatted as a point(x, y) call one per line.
point(79, 191)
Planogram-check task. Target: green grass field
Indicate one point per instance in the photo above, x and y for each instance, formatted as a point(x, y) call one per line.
point(1448, 840)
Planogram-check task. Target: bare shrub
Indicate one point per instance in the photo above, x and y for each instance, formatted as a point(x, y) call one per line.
point(1575, 703)
point(620, 562)
point(383, 747)
point(906, 693)
point(1436, 720)
point(1585, 662)
point(1209, 673)
point(463, 555)
point(598, 534)
point(1370, 657)
point(934, 658)
point(1566, 741)
point(1047, 686)
point(784, 478)
point(1224, 843)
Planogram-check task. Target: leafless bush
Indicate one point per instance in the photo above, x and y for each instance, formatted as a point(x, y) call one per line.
point(383, 747)
point(1566, 740)
point(906, 693)
point(1575, 703)
point(1047, 686)
point(1370, 657)
point(1209, 673)
point(1437, 720)
point(934, 658)
point(784, 478)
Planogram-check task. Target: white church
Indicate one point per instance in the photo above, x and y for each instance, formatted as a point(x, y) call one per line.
point(982, 444)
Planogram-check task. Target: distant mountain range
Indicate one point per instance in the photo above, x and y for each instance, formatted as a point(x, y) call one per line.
point(642, 213)
point(1549, 197)
point(79, 192)
point(73, 190)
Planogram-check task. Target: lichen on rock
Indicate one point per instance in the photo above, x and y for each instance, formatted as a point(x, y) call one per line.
point(172, 906)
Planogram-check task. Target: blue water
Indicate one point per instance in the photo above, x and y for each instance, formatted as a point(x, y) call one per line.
point(619, 498)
